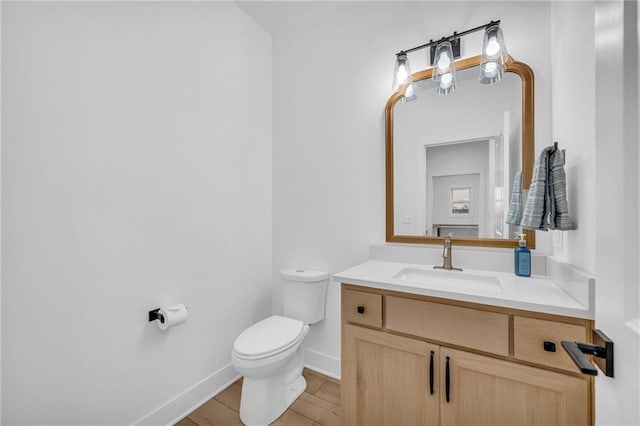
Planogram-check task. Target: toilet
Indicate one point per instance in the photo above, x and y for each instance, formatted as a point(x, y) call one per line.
point(269, 353)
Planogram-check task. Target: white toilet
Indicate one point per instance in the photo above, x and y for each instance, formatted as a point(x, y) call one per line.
point(269, 353)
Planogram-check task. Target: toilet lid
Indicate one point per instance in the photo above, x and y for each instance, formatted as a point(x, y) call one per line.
point(268, 336)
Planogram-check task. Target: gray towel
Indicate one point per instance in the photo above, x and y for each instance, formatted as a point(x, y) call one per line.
point(558, 209)
point(514, 216)
point(534, 214)
point(546, 206)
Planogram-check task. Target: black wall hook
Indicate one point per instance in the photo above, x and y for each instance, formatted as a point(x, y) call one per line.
point(563, 151)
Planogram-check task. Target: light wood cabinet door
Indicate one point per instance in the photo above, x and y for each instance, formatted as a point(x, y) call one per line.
point(386, 379)
point(488, 391)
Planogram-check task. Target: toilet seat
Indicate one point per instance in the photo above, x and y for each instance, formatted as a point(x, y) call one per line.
point(268, 337)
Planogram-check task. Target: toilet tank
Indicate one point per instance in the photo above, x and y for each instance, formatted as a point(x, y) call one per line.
point(304, 294)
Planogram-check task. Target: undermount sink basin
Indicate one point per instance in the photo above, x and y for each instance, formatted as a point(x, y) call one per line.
point(450, 280)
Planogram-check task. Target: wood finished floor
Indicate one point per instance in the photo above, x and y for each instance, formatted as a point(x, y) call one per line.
point(319, 405)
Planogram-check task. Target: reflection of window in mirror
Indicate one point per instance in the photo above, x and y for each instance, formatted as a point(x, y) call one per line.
point(460, 201)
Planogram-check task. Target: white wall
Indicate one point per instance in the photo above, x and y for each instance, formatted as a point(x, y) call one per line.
point(573, 124)
point(136, 172)
point(332, 78)
point(0, 217)
point(616, 241)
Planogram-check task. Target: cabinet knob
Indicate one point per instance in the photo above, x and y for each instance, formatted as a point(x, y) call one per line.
point(361, 309)
point(549, 346)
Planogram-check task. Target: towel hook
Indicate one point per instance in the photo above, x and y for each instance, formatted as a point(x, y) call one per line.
point(563, 151)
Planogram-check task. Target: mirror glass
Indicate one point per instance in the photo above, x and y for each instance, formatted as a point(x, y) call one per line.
point(454, 158)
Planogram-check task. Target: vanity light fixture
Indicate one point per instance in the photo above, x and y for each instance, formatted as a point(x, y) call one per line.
point(410, 93)
point(444, 71)
point(494, 55)
point(402, 72)
point(443, 53)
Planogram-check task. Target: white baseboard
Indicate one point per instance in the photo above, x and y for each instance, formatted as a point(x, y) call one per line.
point(186, 402)
point(322, 363)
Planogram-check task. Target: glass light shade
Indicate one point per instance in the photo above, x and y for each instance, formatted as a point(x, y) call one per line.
point(410, 93)
point(444, 70)
point(402, 72)
point(494, 56)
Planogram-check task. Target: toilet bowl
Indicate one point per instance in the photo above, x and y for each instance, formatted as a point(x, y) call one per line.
point(269, 354)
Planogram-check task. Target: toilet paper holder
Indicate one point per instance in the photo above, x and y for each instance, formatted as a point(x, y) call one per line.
point(156, 315)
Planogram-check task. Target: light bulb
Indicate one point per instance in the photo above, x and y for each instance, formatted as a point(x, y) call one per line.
point(409, 91)
point(445, 80)
point(402, 74)
point(493, 47)
point(409, 94)
point(490, 69)
point(444, 61)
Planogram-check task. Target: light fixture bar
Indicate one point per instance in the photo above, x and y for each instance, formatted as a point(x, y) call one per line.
point(452, 37)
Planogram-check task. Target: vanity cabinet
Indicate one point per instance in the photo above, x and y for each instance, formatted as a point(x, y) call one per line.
point(409, 359)
point(389, 379)
point(489, 391)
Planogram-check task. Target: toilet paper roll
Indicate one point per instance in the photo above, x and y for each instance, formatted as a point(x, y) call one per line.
point(171, 316)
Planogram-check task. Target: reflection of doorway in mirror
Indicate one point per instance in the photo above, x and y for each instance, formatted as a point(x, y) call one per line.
point(457, 205)
point(489, 157)
point(450, 166)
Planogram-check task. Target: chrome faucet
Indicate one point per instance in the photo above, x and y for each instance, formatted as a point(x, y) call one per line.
point(446, 256)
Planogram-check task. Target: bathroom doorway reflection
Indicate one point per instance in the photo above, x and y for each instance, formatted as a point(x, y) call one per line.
point(456, 205)
point(465, 182)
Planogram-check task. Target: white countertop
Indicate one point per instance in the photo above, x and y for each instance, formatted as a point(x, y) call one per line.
point(535, 293)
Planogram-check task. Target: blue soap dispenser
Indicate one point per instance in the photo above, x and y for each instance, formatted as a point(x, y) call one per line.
point(522, 258)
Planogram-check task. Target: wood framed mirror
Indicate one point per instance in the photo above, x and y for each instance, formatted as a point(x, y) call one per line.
point(451, 159)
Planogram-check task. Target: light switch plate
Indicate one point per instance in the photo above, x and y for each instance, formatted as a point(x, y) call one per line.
point(407, 219)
